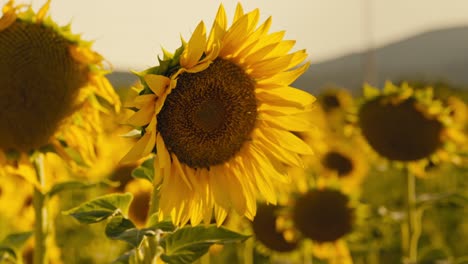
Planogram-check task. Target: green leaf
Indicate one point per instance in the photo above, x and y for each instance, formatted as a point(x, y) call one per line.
point(190, 243)
point(441, 199)
point(101, 208)
point(72, 185)
point(125, 258)
point(145, 170)
point(166, 226)
point(16, 240)
point(120, 228)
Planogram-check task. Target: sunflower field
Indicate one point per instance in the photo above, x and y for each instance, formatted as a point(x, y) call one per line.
point(213, 156)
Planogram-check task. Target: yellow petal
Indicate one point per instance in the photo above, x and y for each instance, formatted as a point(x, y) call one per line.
point(139, 150)
point(291, 123)
point(238, 13)
point(163, 154)
point(199, 67)
point(278, 152)
point(275, 110)
point(195, 47)
point(262, 42)
point(219, 186)
point(220, 215)
point(283, 78)
point(236, 192)
point(255, 40)
point(218, 29)
point(158, 172)
point(157, 83)
point(141, 101)
point(180, 171)
point(43, 11)
point(285, 96)
point(264, 163)
point(143, 116)
point(288, 141)
point(235, 37)
point(249, 186)
point(270, 67)
point(262, 181)
point(273, 50)
point(84, 54)
point(7, 19)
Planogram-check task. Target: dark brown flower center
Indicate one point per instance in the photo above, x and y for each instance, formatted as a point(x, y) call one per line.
point(323, 215)
point(138, 210)
point(330, 102)
point(399, 131)
point(209, 115)
point(264, 228)
point(38, 83)
point(338, 162)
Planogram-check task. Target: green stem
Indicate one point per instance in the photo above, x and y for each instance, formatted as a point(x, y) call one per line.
point(413, 220)
point(306, 251)
point(154, 202)
point(249, 251)
point(41, 214)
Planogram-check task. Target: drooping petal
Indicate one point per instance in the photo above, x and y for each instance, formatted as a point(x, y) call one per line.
point(157, 83)
point(143, 116)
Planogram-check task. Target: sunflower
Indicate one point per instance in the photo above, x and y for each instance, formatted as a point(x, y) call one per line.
point(265, 229)
point(52, 90)
point(326, 216)
point(334, 99)
point(408, 126)
point(219, 113)
point(342, 161)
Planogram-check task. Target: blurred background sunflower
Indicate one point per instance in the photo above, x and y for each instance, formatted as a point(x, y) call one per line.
point(53, 90)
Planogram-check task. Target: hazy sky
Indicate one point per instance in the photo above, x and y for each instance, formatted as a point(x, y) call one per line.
point(130, 33)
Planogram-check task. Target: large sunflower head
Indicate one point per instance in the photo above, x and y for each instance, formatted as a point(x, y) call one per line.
point(403, 124)
point(219, 113)
point(51, 86)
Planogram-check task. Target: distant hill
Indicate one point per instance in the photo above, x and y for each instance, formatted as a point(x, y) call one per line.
point(435, 55)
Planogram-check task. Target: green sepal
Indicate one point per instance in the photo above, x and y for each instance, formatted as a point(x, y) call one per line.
point(101, 208)
point(190, 243)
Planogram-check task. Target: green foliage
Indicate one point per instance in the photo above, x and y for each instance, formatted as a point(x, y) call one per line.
point(72, 185)
point(190, 243)
point(11, 245)
point(145, 170)
point(101, 208)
